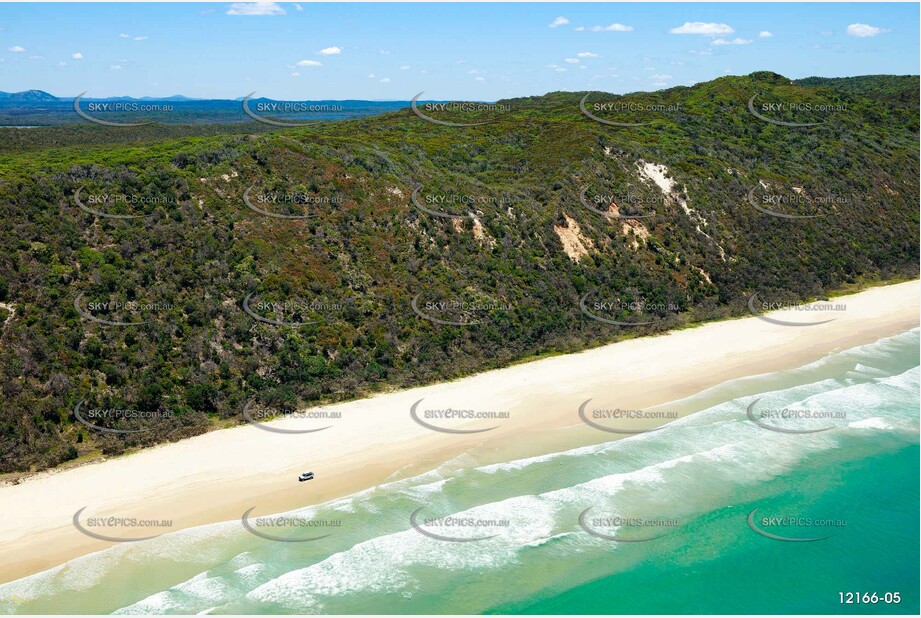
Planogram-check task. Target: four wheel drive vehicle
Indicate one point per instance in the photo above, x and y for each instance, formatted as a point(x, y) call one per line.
point(305, 476)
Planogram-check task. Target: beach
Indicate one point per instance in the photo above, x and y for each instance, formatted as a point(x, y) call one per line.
point(220, 475)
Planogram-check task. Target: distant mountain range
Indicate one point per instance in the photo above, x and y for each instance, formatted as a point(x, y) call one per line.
point(41, 95)
point(28, 95)
point(31, 108)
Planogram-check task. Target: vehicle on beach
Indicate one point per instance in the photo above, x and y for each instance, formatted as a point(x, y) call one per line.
point(305, 476)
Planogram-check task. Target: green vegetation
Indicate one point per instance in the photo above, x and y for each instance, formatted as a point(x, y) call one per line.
point(353, 269)
point(899, 89)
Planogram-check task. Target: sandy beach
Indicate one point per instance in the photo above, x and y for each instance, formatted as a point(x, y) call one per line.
point(220, 475)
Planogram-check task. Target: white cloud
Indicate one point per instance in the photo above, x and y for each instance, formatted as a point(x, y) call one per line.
point(386, 80)
point(77, 56)
point(385, 52)
point(61, 64)
point(295, 74)
point(559, 21)
point(405, 67)
point(128, 36)
point(572, 60)
point(699, 27)
point(612, 28)
point(124, 36)
point(660, 84)
point(330, 51)
point(560, 70)
point(480, 79)
point(140, 38)
point(36, 57)
point(116, 67)
point(659, 77)
point(764, 34)
point(736, 41)
point(255, 8)
point(298, 7)
point(579, 28)
point(864, 30)
point(309, 63)
point(16, 49)
point(371, 76)
point(705, 52)
point(587, 55)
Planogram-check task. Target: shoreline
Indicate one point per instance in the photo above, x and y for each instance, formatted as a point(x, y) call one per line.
point(218, 475)
point(15, 478)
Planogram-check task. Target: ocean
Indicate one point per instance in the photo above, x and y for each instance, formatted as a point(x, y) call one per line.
point(812, 504)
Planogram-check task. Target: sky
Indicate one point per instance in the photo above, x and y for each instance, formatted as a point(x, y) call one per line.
point(483, 51)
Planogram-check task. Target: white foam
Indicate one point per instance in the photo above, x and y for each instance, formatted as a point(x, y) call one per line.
point(159, 603)
point(871, 423)
point(682, 469)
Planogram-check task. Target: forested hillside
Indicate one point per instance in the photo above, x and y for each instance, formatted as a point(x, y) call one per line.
point(345, 237)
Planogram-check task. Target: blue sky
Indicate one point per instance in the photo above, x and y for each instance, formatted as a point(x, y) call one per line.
point(461, 51)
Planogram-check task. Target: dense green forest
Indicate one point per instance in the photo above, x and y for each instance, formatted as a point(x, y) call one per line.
point(497, 231)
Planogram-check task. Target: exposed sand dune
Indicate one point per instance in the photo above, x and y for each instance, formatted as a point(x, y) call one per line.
point(575, 244)
point(658, 175)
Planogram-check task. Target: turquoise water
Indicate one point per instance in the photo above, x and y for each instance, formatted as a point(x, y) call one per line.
point(702, 474)
point(879, 552)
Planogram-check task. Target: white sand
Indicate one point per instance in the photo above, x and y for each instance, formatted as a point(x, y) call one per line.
point(217, 476)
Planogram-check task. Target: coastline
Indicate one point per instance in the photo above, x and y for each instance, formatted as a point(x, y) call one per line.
point(219, 475)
